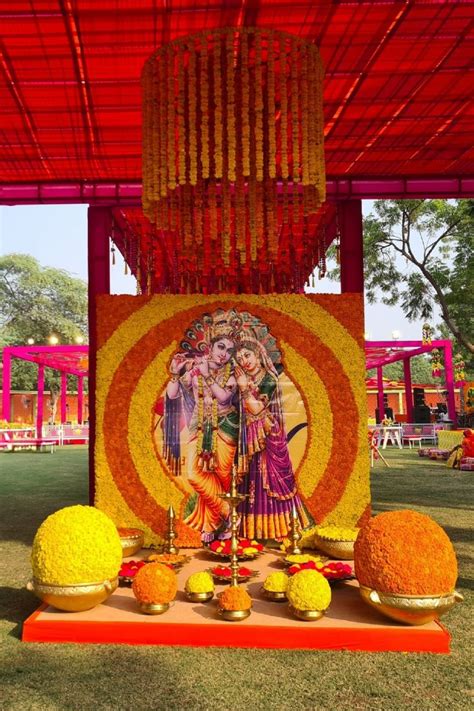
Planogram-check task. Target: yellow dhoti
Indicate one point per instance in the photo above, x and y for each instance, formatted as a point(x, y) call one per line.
point(210, 510)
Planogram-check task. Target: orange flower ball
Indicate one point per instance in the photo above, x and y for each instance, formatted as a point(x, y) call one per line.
point(234, 598)
point(155, 584)
point(405, 553)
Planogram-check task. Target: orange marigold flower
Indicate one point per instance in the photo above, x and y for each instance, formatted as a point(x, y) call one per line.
point(235, 598)
point(405, 553)
point(155, 584)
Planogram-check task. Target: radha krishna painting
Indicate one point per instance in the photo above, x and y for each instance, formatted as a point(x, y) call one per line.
point(224, 406)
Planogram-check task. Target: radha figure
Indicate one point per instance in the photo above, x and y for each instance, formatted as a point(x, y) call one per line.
point(269, 480)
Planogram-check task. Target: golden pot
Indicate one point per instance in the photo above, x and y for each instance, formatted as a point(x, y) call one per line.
point(199, 596)
point(306, 615)
point(153, 608)
point(410, 609)
point(340, 550)
point(132, 540)
point(233, 615)
point(73, 598)
point(274, 596)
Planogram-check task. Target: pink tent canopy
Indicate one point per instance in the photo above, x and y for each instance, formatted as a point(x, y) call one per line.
point(380, 353)
point(68, 360)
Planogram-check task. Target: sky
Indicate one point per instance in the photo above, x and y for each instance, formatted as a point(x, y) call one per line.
point(56, 235)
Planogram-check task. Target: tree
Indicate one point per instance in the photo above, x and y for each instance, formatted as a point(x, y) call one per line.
point(35, 302)
point(436, 240)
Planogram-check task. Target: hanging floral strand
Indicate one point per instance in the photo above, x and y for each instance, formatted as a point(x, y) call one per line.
point(426, 334)
point(436, 363)
point(233, 147)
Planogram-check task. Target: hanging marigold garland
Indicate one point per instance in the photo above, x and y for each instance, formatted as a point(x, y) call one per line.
point(233, 150)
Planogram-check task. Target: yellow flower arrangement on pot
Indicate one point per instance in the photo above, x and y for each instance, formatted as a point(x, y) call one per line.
point(337, 533)
point(155, 586)
point(309, 594)
point(76, 558)
point(275, 586)
point(77, 544)
point(276, 582)
point(199, 587)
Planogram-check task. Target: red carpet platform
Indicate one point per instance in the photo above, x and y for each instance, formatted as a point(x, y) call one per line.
point(349, 623)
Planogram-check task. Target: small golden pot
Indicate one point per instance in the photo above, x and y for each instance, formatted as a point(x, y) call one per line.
point(153, 608)
point(199, 596)
point(410, 609)
point(307, 615)
point(131, 542)
point(233, 615)
point(273, 595)
point(73, 598)
point(340, 550)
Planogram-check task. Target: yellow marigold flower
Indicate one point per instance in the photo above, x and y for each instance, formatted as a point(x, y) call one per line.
point(77, 544)
point(199, 583)
point(302, 558)
point(155, 584)
point(309, 590)
point(337, 533)
point(276, 582)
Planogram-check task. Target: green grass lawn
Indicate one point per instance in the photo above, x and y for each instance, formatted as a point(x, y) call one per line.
point(48, 676)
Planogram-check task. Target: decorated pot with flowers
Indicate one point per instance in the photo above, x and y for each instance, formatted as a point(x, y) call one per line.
point(75, 559)
point(336, 541)
point(199, 587)
point(309, 595)
point(234, 603)
point(406, 566)
point(155, 587)
point(275, 586)
point(131, 540)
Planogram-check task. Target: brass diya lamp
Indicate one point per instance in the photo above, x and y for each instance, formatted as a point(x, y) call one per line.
point(234, 499)
point(295, 534)
point(169, 546)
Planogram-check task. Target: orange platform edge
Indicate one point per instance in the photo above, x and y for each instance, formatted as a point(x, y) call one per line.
point(349, 623)
point(393, 639)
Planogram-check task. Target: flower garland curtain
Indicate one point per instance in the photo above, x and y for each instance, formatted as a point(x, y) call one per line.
point(233, 160)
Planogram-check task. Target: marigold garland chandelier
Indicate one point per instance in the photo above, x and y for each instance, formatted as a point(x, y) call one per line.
point(233, 160)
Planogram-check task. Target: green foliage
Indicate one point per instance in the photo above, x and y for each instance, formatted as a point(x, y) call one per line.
point(420, 371)
point(420, 254)
point(35, 302)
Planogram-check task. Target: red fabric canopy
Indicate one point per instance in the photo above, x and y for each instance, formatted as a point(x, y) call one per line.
point(396, 89)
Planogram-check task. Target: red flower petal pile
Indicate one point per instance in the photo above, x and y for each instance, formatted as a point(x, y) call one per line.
point(130, 568)
point(224, 547)
point(224, 572)
point(331, 571)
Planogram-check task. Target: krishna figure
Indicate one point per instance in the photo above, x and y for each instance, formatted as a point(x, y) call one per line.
point(203, 387)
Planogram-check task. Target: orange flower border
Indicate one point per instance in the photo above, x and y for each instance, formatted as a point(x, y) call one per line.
point(345, 392)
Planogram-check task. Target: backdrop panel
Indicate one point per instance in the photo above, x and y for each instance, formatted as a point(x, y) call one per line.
point(190, 386)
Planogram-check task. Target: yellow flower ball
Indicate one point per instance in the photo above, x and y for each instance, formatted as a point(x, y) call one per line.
point(199, 583)
point(276, 582)
point(77, 544)
point(309, 590)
